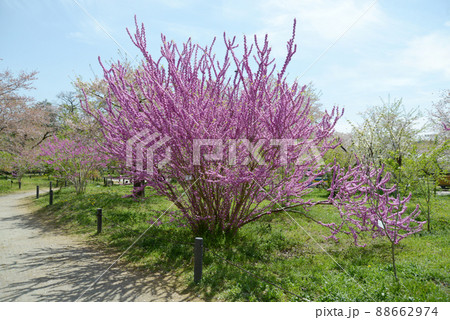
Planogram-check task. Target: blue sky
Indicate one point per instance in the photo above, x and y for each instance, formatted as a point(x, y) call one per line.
point(354, 51)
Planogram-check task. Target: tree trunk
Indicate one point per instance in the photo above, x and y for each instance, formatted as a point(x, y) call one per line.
point(393, 259)
point(138, 188)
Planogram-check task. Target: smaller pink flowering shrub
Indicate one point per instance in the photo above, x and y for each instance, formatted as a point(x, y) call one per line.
point(74, 160)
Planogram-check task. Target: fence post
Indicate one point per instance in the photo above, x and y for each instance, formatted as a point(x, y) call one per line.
point(50, 186)
point(20, 184)
point(50, 201)
point(198, 259)
point(37, 192)
point(99, 220)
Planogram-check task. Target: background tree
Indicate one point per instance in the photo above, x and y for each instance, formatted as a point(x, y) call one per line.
point(343, 155)
point(440, 115)
point(386, 136)
point(13, 103)
point(96, 93)
point(24, 124)
point(72, 119)
point(423, 169)
point(70, 101)
point(316, 111)
point(6, 162)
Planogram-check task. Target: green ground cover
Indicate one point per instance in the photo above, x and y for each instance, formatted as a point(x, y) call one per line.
point(293, 255)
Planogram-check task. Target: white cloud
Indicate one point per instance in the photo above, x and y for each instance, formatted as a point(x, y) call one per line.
point(320, 23)
point(324, 19)
point(428, 53)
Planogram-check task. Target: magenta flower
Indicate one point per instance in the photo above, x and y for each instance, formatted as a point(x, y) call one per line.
point(75, 160)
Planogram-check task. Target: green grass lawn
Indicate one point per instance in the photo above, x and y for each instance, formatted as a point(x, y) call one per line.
point(294, 256)
point(29, 182)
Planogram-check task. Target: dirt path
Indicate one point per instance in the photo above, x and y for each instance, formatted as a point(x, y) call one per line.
point(39, 264)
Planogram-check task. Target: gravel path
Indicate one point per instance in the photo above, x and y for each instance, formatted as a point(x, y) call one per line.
point(39, 264)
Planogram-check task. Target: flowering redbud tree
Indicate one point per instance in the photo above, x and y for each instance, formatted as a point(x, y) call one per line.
point(233, 133)
point(363, 196)
point(74, 160)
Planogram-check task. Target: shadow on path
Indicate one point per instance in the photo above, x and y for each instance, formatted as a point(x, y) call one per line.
point(39, 264)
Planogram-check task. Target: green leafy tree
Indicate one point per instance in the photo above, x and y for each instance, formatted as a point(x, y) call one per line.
point(423, 169)
point(387, 136)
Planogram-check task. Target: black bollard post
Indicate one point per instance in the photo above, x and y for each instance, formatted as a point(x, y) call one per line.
point(20, 184)
point(50, 186)
point(198, 259)
point(99, 220)
point(50, 200)
point(37, 192)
